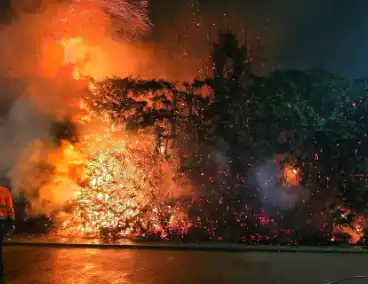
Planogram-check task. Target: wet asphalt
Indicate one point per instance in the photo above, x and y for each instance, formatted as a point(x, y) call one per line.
point(28, 265)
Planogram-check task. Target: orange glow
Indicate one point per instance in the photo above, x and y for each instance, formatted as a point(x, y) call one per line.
point(116, 181)
point(291, 176)
point(355, 229)
point(109, 180)
point(76, 73)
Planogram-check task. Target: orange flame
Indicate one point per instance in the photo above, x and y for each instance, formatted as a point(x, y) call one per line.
point(291, 176)
point(355, 229)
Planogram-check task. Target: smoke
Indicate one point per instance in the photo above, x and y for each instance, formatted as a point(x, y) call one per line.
point(35, 175)
point(19, 126)
point(47, 55)
point(32, 38)
point(30, 45)
point(277, 183)
point(34, 68)
point(278, 186)
point(298, 34)
point(30, 51)
point(36, 87)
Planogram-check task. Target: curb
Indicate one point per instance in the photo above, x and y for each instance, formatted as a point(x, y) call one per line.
point(190, 247)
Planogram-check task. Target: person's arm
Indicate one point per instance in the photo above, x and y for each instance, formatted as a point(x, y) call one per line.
point(10, 209)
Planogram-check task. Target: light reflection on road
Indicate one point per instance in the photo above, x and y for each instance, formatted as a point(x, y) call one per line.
point(91, 266)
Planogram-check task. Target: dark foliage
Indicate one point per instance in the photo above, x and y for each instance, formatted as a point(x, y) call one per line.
point(307, 116)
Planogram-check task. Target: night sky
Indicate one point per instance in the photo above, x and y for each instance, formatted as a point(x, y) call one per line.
point(295, 33)
point(301, 33)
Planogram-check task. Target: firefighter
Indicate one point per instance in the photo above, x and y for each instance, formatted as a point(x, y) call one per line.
point(7, 216)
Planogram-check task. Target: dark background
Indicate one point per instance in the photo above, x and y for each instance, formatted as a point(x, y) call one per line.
point(302, 33)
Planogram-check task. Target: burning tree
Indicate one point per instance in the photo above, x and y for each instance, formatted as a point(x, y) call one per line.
point(126, 191)
point(111, 179)
point(124, 161)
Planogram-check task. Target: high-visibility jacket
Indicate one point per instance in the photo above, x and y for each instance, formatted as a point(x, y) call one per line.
point(6, 205)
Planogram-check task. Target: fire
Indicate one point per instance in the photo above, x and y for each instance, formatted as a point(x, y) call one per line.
point(355, 229)
point(291, 176)
point(123, 188)
point(76, 53)
point(76, 73)
point(109, 181)
point(46, 176)
point(124, 191)
point(84, 33)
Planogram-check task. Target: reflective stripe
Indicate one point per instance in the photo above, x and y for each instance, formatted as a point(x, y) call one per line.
point(3, 217)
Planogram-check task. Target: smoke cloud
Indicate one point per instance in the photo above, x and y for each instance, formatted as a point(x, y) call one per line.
point(278, 186)
point(181, 36)
point(32, 72)
point(18, 127)
point(298, 34)
point(39, 58)
point(32, 69)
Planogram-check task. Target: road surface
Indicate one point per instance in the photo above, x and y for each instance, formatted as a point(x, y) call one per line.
point(36, 265)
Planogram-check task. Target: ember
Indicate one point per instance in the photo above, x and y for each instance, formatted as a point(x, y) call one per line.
point(124, 191)
point(229, 156)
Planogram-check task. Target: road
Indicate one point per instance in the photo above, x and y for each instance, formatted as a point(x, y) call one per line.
point(35, 265)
